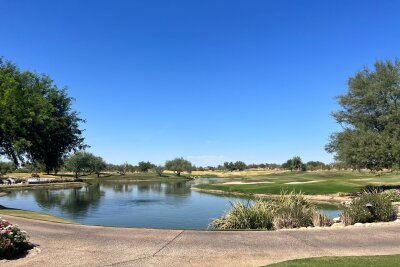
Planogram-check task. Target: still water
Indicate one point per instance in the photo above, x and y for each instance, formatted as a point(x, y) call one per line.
point(150, 204)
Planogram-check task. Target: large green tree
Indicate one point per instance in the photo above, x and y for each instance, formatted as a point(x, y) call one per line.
point(85, 162)
point(37, 123)
point(6, 167)
point(294, 163)
point(145, 166)
point(179, 165)
point(370, 118)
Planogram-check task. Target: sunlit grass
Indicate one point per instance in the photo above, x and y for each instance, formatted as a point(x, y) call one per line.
point(32, 215)
point(316, 182)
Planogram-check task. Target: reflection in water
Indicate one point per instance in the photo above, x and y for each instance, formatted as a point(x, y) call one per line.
point(154, 204)
point(75, 201)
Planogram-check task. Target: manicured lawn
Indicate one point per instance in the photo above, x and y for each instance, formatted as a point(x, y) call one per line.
point(362, 261)
point(32, 215)
point(322, 182)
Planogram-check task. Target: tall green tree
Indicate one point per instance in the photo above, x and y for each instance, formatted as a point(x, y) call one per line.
point(370, 118)
point(159, 170)
point(37, 123)
point(145, 166)
point(84, 162)
point(6, 167)
point(240, 165)
point(294, 163)
point(230, 166)
point(97, 165)
point(179, 165)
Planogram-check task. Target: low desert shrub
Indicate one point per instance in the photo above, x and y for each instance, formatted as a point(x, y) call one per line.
point(293, 210)
point(321, 220)
point(245, 216)
point(393, 194)
point(12, 240)
point(369, 207)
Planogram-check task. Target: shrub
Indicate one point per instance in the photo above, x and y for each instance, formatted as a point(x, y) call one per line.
point(393, 194)
point(289, 211)
point(246, 216)
point(321, 219)
point(293, 211)
point(12, 240)
point(369, 207)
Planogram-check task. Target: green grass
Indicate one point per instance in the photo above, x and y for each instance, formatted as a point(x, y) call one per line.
point(33, 186)
point(329, 182)
point(32, 215)
point(361, 261)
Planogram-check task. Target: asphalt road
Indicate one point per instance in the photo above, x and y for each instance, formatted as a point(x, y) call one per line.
point(80, 245)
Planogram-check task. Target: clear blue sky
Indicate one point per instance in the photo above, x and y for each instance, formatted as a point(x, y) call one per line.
point(211, 81)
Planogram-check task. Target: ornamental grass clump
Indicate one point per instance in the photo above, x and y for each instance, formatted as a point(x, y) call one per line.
point(12, 240)
point(369, 207)
point(293, 210)
point(321, 220)
point(393, 194)
point(245, 216)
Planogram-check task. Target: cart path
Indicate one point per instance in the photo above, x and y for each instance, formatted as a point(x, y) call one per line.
point(82, 245)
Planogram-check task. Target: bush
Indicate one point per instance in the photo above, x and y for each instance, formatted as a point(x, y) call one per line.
point(293, 211)
point(12, 240)
point(369, 207)
point(245, 216)
point(289, 211)
point(321, 220)
point(393, 194)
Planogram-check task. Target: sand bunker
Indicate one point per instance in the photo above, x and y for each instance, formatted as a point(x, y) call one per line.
point(308, 182)
point(249, 183)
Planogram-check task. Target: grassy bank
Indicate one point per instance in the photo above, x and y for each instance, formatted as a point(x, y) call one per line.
point(387, 260)
point(47, 185)
point(312, 183)
point(32, 215)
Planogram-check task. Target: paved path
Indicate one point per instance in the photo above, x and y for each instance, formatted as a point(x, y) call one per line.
point(79, 245)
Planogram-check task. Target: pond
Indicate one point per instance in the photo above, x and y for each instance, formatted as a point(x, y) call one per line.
point(149, 204)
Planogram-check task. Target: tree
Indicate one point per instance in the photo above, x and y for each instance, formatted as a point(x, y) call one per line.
point(145, 166)
point(315, 165)
point(97, 165)
point(370, 118)
point(6, 167)
point(37, 122)
point(159, 170)
point(179, 165)
point(294, 163)
point(240, 165)
point(82, 162)
point(230, 166)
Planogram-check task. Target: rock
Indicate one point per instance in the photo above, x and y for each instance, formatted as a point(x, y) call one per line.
point(337, 225)
point(336, 220)
point(358, 224)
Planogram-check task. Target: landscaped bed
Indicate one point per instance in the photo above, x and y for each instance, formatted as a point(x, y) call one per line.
point(13, 241)
point(293, 210)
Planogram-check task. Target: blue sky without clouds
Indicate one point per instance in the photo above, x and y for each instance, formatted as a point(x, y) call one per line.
point(211, 81)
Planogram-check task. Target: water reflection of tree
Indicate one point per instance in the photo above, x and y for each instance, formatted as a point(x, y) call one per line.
point(177, 188)
point(158, 187)
point(74, 201)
